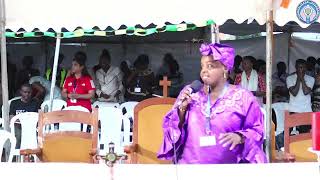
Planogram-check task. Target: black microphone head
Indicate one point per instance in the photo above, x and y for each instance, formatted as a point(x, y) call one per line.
point(196, 86)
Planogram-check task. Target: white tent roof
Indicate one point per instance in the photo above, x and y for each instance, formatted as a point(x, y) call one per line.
point(70, 14)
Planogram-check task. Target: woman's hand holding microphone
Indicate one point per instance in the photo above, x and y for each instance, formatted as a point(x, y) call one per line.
point(183, 103)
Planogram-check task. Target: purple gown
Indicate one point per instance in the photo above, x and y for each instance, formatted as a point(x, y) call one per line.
point(235, 111)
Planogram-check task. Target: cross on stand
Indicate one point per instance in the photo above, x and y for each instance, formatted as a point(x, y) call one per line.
point(165, 84)
point(110, 159)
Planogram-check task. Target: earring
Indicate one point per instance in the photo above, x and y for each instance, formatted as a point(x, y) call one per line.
point(225, 75)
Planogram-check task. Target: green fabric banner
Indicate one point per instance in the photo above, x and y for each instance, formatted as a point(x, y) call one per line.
point(136, 31)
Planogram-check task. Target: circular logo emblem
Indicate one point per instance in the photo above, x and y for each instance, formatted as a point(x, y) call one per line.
point(308, 12)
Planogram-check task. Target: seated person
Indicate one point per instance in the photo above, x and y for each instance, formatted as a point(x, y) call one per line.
point(126, 71)
point(170, 68)
point(315, 98)
point(27, 72)
point(43, 88)
point(25, 104)
point(300, 87)
point(311, 66)
point(61, 72)
point(236, 69)
point(279, 86)
point(250, 79)
point(109, 87)
point(12, 72)
point(141, 80)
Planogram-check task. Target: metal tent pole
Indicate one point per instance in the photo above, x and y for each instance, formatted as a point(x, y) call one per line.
point(289, 51)
point(214, 33)
point(54, 70)
point(269, 60)
point(4, 73)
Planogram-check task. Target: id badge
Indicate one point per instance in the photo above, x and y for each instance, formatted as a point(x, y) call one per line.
point(73, 100)
point(207, 141)
point(137, 90)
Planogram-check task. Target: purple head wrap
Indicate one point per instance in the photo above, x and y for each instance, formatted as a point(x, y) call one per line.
point(220, 52)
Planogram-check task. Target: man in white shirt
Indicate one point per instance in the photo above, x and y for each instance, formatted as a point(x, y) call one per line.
point(109, 87)
point(300, 87)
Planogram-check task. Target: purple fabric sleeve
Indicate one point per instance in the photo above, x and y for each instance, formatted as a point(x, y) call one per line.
point(172, 134)
point(253, 128)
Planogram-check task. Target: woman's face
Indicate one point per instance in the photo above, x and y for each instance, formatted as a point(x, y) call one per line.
point(76, 67)
point(211, 71)
point(247, 65)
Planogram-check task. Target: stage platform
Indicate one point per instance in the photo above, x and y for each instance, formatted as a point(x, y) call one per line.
point(77, 171)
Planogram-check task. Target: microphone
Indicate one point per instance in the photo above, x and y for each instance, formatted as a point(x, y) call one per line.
point(194, 88)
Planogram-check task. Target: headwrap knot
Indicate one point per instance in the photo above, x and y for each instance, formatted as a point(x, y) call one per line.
point(220, 52)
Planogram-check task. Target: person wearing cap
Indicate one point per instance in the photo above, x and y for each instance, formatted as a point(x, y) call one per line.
point(220, 123)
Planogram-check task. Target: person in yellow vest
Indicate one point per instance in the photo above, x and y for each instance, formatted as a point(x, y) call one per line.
point(61, 72)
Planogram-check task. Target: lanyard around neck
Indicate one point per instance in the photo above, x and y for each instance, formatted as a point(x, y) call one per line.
point(208, 110)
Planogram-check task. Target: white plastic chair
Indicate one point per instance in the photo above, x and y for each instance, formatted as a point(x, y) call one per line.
point(129, 108)
point(126, 131)
point(15, 98)
point(279, 109)
point(111, 121)
point(4, 136)
point(58, 104)
point(98, 104)
point(76, 108)
point(73, 126)
point(28, 121)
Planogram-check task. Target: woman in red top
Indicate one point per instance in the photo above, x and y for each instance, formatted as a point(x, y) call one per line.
point(79, 88)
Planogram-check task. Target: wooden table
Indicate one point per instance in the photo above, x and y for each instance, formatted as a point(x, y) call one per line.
point(300, 150)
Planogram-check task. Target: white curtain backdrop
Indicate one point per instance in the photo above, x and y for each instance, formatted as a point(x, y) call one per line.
point(301, 49)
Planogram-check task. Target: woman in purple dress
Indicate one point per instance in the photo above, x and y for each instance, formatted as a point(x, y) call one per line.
point(221, 123)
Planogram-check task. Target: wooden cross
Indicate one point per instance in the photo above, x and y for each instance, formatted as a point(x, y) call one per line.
point(165, 84)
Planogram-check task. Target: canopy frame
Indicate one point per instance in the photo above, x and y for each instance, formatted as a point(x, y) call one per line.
point(4, 73)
